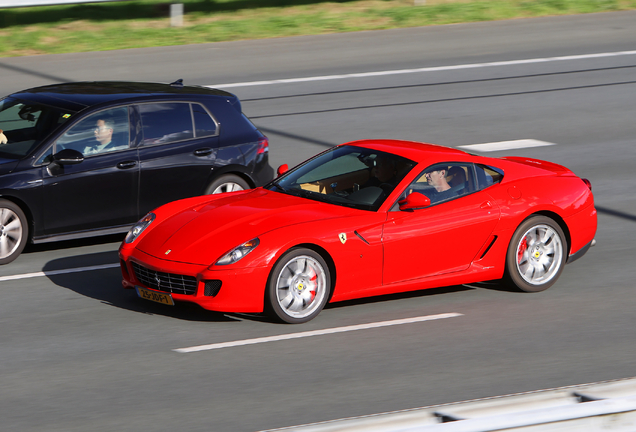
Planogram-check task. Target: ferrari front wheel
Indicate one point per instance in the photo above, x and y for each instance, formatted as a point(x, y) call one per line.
point(536, 255)
point(298, 286)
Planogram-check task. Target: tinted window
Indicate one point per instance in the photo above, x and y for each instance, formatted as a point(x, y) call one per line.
point(103, 132)
point(204, 124)
point(165, 122)
point(487, 176)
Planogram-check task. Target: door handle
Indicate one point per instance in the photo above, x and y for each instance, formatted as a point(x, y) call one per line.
point(487, 205)
point(126, 165)
point(203, 152)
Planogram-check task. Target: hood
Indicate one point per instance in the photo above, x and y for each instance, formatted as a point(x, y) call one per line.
point(202, 233)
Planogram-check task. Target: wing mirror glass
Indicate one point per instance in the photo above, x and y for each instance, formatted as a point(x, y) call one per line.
point(414, 201)
point(282, 169)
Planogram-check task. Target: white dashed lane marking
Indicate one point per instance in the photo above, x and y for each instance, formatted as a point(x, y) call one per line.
point(317, 332)
point(56, 272)
point(506, 145)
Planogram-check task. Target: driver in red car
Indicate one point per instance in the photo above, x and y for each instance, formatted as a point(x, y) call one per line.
point(437, 178)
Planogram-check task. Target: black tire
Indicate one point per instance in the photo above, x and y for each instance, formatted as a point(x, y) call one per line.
point(227, 183)
point(289, 296)
point(14, 231)
point(536, 255)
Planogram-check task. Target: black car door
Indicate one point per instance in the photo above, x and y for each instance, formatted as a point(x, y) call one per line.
point(175, 162)
point(101, 191)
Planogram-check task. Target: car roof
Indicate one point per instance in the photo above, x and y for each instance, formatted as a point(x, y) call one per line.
point(78, 95)
point(412, 150)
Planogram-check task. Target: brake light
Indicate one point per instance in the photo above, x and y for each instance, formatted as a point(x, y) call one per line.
point(263, 146)
point(588, 184)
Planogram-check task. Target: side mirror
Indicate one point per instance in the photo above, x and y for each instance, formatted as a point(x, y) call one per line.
point(414, 201)
point(282, 169)
point(68, 157)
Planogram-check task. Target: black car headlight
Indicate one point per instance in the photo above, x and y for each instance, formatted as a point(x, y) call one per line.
point(238, 252)
point(139, 227)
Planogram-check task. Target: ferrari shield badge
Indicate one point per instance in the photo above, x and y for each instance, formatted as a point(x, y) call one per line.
point(342, 237)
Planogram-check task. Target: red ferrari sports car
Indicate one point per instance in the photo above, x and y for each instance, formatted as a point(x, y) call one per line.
point(361, 219)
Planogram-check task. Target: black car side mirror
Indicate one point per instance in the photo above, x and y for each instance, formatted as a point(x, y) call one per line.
point(67, 157)
point(414, 201)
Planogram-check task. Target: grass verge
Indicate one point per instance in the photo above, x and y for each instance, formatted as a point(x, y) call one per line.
point(146, 23)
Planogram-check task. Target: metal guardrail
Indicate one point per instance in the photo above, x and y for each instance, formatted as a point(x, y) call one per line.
point(603, 406)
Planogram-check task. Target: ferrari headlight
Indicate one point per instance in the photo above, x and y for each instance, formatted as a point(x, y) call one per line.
point(238, 252)
point(139, 227)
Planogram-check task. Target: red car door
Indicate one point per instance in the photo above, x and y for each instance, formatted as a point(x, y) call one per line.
point(443, 238)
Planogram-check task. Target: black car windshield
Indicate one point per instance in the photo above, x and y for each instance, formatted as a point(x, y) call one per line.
point(25, 125)
point(348, 176)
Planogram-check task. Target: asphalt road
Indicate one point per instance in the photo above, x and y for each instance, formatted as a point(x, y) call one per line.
point(79, 353)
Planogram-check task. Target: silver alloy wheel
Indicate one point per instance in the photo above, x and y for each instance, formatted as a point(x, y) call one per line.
point(228, 187)
point(10, 232)
point(301, 287)
point(539, 254)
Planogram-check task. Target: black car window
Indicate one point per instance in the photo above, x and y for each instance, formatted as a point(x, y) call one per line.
point(203, 122)
point(98, 133)
point(25, 125)
point(444, 182)
point(165, 122)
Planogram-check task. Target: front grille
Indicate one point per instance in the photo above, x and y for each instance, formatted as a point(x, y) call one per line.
point(167, 282)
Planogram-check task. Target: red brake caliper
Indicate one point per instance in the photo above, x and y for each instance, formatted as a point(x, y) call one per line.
point(313, 291)
point(522, 248)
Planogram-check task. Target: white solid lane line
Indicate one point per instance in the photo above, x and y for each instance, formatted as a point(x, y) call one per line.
point(57, 272)
point(506, 145)
point(317, 332)
point(427, 69)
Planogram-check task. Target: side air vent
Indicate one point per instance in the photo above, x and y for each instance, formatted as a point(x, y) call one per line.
point(212, 288)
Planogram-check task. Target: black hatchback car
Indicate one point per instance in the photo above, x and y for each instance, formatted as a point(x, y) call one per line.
point(91, 158)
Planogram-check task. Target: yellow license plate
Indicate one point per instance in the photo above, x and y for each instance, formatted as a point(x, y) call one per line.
point(154, 296)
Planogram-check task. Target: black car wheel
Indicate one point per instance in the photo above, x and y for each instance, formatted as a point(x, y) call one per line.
point(298, 286)
point(536, 255)
point(14, 231)
point(227, 183)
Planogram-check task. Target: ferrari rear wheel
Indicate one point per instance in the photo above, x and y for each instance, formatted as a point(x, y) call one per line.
point(227, 183)
point(536, 255)
point(14, 231)
point(298, 287)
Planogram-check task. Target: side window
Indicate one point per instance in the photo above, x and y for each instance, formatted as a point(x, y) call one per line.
point(165, 122)
point(103, 132)
point(487, 176)
point(443, 182)
point(204, 124)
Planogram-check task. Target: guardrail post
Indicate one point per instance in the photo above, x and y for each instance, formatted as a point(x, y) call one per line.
point(176, 15)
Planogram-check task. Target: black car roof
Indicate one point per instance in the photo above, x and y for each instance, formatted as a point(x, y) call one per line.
point(78, 95)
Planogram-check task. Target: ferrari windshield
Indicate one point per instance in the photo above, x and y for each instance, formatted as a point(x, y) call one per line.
point(25, 125)
point(348, 176)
